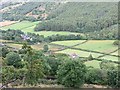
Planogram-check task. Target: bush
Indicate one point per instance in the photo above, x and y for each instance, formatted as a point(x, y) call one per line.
point(114, 78)
point(71, 73)
point(13, 59)
point(116, 42)
point(45, 48)
point(53, 63)
point(96, 76)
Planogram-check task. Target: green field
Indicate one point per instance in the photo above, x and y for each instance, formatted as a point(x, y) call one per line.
point(105, 46)
point(112, 58)
point(20, 25)
point(93, 63)
point(68, 43)
point(116, 53)
point(99, 45)
point(27, 26)
point(79, 53)
point(35, 46)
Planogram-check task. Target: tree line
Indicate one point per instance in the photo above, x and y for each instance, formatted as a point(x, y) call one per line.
point(32, 38)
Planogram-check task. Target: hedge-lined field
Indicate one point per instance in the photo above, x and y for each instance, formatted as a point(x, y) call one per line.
point(69, 42)
point(99, 45)
point(27, 26)
point(36, 46)
point(79, 53)
point(105, 46)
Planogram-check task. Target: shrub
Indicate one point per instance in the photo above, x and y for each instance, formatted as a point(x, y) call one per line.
point(13, 59)
point(45, 48)
point(71, 73)
point(116, 42)
point(96, 76)
point(53, 63)
point(114, 78)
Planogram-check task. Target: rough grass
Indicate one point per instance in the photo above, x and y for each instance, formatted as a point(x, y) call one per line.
point(79, 53)
point(93, 63)
point(105, 46)
point(69, 42)
point(20, 25)
point(99, 45)
point(7, 41)
point(36, 46)
point(112, 58)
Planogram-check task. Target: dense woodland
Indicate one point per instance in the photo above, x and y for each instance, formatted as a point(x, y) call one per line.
point(84, 19)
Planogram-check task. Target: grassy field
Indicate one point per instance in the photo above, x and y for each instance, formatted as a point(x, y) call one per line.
point(116, 53)
point(27, 26)
point(93, 63)
point(99, 45)
point(79, 53)
point(36, 46)
point(112, 58)
point(105, 46)
point(20, 25)
point(68, 43)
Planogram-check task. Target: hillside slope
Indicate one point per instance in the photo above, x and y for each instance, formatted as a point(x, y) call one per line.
point(81, 17)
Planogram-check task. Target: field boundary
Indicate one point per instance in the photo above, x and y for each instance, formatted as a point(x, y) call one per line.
point(108, 53)
point(64, 48)
point(68, 47)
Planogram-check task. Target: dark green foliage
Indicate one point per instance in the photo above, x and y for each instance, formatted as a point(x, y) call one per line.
point(45, 48)
point(81, 17)
point(8, 74)
point(15, 35)
point(96, 76)
point(106, 65)
point(72, 73)
point(53, 63)
point(114, 78)
point(4, 51)
point(90, 57)
point(14, 59)
point(35, 72)
point(117, 42)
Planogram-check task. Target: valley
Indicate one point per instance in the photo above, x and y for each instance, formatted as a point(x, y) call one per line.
point(61, 44)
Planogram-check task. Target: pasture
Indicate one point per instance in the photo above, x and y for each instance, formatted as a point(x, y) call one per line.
point(93, 63)
point(35, 46)
point(27, 26)
point(20, 26)
point(99, 45)
point(68, 42)
point(79, 53)
point(104, 46)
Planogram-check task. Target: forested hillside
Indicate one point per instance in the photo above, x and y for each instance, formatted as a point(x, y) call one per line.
point(32, 11)
point(81, 17)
